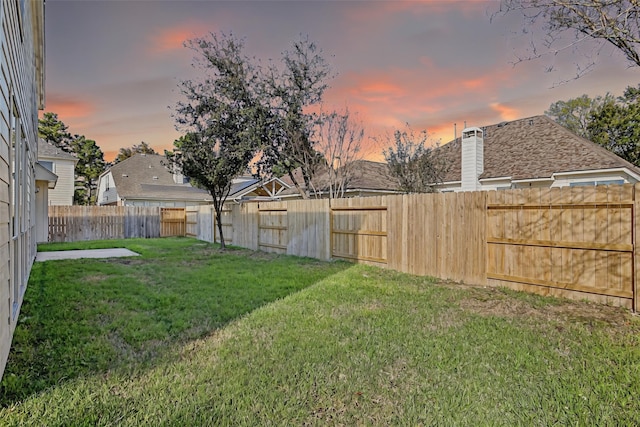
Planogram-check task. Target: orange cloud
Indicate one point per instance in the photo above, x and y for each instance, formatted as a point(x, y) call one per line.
point(68, 107)
point(506, 113)
point(172, 38)
point(381, 10)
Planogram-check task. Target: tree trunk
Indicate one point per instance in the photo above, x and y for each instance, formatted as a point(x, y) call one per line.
point(218, 210)
point(302, 193)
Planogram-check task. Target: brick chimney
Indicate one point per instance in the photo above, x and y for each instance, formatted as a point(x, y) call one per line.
point(472, 158)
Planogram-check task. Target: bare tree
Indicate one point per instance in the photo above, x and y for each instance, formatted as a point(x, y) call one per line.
point(607, 22)
point(292, 93)
point(417, 168)
point(340, 138)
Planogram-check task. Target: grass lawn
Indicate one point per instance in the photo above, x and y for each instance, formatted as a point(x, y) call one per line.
point(189, 335)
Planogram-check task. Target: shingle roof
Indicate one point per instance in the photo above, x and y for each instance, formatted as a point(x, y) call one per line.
point(51, 151)
point(145, 176)
point(364, 175)
point(530, 148)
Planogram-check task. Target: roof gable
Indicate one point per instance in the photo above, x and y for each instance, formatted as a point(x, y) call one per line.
point(362, 175)
point(50, 151)
point(533, 148)
point(146, 176)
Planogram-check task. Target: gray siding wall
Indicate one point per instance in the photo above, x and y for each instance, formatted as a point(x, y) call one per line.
point(21, 82)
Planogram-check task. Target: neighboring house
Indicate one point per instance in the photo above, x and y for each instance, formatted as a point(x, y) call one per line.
point(530, 152)
point(362, 178)
point(63, 165)
point(250, 189)
point(146, 180)
point(21, 96)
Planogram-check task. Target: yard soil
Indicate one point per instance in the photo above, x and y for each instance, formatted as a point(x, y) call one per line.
point(493, 302)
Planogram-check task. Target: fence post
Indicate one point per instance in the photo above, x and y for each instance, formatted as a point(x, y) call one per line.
point(636, 251)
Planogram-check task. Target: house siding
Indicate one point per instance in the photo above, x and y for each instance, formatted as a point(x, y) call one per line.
point(62, 195)
point(600, 177)
point(21, 61)
point(107, 193)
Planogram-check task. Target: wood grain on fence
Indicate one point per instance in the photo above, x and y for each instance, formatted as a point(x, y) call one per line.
point(562, 240)
point(309, 228)
point(359, 229)
point(191, 218)
point(226, 223)
point(273, 229)
point(573, 242)
point(173, 222)
point(78, 223)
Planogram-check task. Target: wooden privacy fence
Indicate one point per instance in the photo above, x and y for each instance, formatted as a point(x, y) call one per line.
point(173, 222)
point(577, 242)
point(76, 223)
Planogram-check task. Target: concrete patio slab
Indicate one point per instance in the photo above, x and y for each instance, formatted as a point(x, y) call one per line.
point(87, 253)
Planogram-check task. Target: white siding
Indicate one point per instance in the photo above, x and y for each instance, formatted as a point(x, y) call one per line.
point(107, 193)
point(21, 60)
point(163, 203)
point(62, 195)
point(600, 177)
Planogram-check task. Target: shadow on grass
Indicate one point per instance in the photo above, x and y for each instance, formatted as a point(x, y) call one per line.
point(86, 317)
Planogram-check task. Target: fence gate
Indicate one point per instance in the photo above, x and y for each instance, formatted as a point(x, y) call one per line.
point(359, 233)
point(563, 239)
point(191, 221)
point(273, 230)
point(173, 222)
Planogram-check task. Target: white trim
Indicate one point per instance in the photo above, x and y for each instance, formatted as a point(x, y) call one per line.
point(254, 186)
point(500, 178)
point(522, 181)
point(592, 171)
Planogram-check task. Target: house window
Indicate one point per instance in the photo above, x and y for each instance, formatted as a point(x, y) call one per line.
point(592, 183)
point(47, 165)
point(610, 182)
point(18, 175)
point(582, 184)
point(20, 5)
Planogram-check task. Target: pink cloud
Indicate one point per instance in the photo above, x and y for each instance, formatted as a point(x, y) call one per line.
point(382, 10)
point(173, 38)
point(506, 113)
point(68, 107)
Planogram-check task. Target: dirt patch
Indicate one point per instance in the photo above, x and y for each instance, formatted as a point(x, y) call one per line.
point(126, 261)
point(95, 278)
point(495, 302)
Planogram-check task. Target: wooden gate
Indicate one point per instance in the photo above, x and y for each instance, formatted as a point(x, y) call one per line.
point(191, 221)
point(359, 231)
point(553, 240)
point(273, 234)
point(173, 222)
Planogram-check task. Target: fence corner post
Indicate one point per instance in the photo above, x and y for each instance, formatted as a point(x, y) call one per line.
point(636, 248)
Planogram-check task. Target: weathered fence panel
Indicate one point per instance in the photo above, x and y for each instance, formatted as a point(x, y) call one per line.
point(78, 223)
point(575, 242)
point(273, 229)
point(227, 215)
point(309, 228)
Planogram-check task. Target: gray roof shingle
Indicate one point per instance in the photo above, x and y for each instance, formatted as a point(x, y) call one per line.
point(51, 151)
point(145, 176)
point(530, 148)
point(364, 175)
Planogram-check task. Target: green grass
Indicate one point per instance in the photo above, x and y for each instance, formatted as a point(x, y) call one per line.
point(188, 335)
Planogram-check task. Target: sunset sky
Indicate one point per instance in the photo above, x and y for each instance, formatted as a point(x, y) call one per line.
point(113, 67)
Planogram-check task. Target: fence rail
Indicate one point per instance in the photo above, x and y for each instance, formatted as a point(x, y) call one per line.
point(577, 242)
point(77, 223)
